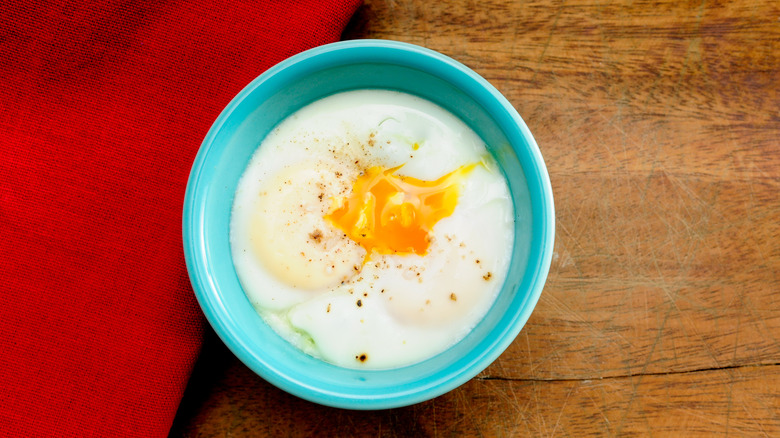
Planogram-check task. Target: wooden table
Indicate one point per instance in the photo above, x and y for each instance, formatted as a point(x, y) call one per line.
point(660, 125)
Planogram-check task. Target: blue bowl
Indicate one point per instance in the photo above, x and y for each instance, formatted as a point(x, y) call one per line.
point(279, 92)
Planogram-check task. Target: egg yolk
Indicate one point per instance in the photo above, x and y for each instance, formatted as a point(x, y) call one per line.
point(393, 214)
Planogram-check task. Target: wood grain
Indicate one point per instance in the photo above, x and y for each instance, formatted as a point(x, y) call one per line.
point(660, 125)
point(739, 400)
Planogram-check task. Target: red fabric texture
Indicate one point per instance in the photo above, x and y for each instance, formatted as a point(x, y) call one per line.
point(102, 109)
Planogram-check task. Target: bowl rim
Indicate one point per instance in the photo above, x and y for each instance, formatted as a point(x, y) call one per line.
point(326, 56)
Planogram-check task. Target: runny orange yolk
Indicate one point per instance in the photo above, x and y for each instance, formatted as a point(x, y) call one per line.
point(393, 214)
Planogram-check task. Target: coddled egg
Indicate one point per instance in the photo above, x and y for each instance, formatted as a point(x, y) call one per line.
point(372, 229)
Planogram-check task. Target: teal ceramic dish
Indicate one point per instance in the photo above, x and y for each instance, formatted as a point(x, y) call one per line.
point(289, 86)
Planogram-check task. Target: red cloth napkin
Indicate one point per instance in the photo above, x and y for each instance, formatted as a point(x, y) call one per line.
point(102, 110)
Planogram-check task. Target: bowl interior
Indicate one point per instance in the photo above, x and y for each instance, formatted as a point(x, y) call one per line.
point(280, 92)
